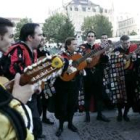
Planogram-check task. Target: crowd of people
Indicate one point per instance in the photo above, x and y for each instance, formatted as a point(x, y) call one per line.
point(105, 70)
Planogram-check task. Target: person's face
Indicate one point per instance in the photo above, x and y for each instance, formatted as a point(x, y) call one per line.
point(43, 41)
point(37, 38)
point(7, 39)
point(125, 44)
point(104, 39)
point(91, 38)
point(73, 46)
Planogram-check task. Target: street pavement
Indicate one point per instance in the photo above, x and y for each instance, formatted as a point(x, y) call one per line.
point(97, 130)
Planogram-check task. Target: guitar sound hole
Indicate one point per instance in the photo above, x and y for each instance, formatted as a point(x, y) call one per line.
point(75, 64)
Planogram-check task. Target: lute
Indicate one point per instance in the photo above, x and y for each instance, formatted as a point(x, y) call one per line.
point(38, 72)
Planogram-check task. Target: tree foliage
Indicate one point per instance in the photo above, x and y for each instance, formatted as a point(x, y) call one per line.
point(58, 27)
point(19, 26)
point(133, 33)
point(99, 24)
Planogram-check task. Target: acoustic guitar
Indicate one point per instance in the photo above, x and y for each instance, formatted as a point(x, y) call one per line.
point(79, 62)
point(38, 73)
point(129, 63)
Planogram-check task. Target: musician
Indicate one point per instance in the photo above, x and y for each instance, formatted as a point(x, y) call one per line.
point(93, 81)
point(104, 38)
point(8, 102)
point(43, 103)
point(66, 91)
point(21, 55)
point(130, 76)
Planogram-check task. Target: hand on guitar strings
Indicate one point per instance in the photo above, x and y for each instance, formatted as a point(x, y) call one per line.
point(23, 93)
point(134, 56)
point(71, 70)
point(89, 60)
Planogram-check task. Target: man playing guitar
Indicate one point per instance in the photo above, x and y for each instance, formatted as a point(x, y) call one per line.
point(66, 91)
point(127, 49)
point(93, 81)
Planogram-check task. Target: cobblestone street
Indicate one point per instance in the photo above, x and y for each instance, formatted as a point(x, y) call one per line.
point(97, 130)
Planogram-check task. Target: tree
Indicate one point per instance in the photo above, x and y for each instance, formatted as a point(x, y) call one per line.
point(99, 24)
point(58, 27)
point(133, 33)
point(19, 26)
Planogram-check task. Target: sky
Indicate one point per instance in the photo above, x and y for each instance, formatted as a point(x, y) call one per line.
point(38, 10)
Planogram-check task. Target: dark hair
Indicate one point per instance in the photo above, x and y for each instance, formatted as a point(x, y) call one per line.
point(91, 32)
point(110, 42)
point(103, 34)
point(26, 30)
point(3, 24)
point(124, 38)
point(68, 42)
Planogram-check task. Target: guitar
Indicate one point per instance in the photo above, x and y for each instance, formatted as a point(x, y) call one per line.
point(128, 63)
point(38, 72)
point(78, 62)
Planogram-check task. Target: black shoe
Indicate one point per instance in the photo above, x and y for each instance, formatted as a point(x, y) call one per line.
point(47, 121)
point(119, 118)
point(72, 128)
point(59, 132)
point(125, 117)
point(102, 118)
point(41, 137)
point(87, 119)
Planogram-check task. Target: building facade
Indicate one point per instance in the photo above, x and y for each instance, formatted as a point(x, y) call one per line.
point(77, 10)
point(129, 26)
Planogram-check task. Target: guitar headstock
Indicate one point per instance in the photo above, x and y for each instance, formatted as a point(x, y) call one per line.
point(43, 70)
point(40, 72)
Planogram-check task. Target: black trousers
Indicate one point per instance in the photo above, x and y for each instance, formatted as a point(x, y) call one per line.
point(66, 99)
point(130, 81)
point(93, 85)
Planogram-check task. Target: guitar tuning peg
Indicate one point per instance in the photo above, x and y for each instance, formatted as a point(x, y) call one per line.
point(30, 67)
point(34, 65)
point(42, 74)
point(25, 70)
point(33, 79)
point(39, 62)
point(43, 60)
point(49, 56)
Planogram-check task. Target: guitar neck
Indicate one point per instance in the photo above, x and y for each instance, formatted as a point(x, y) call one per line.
point(23, 81)
point(129, 56)
point(88, 55)
point(92, 53)
point(38, 73)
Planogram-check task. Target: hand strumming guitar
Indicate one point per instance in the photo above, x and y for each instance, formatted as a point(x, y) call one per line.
point(89, 60)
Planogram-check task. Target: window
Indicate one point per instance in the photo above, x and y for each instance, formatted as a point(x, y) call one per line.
point(76, 9)
point(101, 10)
point(83, 9)
point(94, 10)
point(88, 8)
point(70, 8)
point(105, 10)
